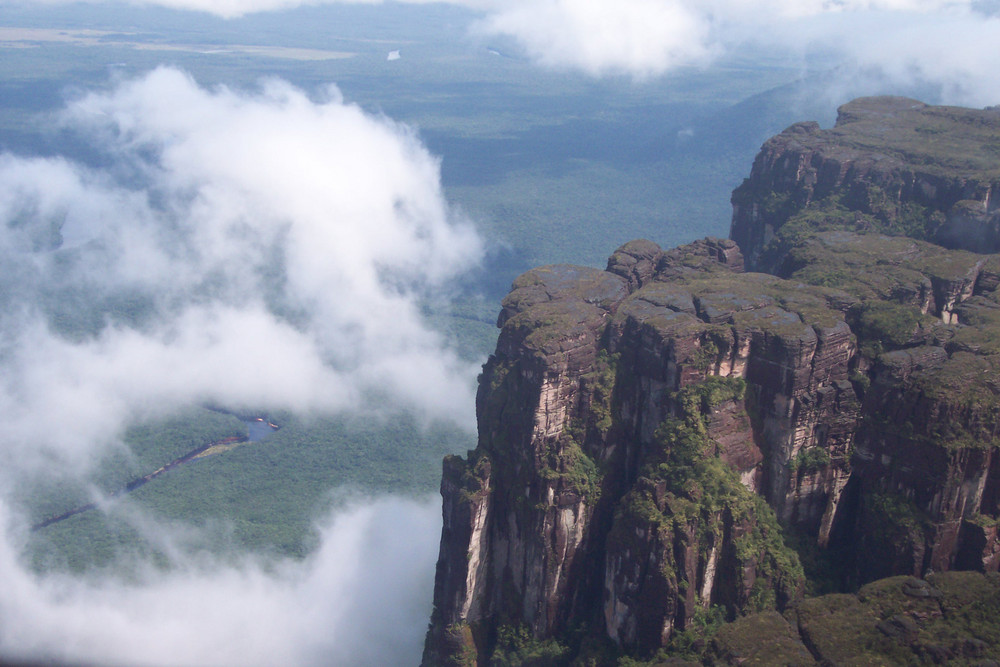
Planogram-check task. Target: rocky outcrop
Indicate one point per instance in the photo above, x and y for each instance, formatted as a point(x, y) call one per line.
point(793, 349)
point(927, 371)
point(890, 164)
point(949, 618)
point(572, 501)
point(523, 532)
point(649, 432)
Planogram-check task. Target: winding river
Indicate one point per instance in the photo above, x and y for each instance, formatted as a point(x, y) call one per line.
point(258, 429)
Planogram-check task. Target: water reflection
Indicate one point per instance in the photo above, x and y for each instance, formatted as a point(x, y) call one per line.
point(258, 429)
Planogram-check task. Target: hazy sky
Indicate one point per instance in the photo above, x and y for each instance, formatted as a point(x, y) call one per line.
point(947, 42)
point(296, 230)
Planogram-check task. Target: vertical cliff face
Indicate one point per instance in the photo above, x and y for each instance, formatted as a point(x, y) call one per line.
point(647, 432)
point(922, 471)
point(630, 421)
point(793, 349)
point(926, 463)
point(525, 499)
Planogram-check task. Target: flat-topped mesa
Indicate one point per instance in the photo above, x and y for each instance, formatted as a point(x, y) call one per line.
point(612, 392)
point(648, 431)
point(889, 164)
point(598, 375)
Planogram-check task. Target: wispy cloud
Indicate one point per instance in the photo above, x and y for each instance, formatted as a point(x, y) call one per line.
point(244, 248)
point(352, 602)
point(943, 43)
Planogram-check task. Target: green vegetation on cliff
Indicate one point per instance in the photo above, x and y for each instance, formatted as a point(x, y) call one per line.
point(946, 141)
point(884, 325)
point(687, 494)
point(870, 359)
point(950, 618)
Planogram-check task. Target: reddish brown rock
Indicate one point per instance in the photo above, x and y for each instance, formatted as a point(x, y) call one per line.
point(882, 167)
point(633, 421)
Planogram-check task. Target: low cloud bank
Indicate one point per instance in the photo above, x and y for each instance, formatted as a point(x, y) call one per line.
point(363, 598)
point(245, 249)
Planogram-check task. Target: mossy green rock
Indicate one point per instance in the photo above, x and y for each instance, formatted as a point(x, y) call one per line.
point(763, 639)
point(946, 619)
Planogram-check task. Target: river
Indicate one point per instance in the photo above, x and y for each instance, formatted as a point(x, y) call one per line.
point(258, 428)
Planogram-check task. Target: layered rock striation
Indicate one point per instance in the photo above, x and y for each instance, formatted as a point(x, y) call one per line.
point(890, 164)
point(650, 434)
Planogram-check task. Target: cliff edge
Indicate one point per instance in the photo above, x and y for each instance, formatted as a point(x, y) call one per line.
point(655, 438)
point(890, 164)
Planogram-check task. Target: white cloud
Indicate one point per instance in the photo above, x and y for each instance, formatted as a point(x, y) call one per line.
point(953, 52)
point(259, 249)
point(942, 42)
point(273, 250)
point(949, 44)
point(352, 602)
point(637, 37)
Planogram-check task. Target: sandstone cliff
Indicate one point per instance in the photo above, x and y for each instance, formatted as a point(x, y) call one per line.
point(890, 164)
point(650, 434)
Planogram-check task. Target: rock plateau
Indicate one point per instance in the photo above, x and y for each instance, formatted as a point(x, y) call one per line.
point(656, 437)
